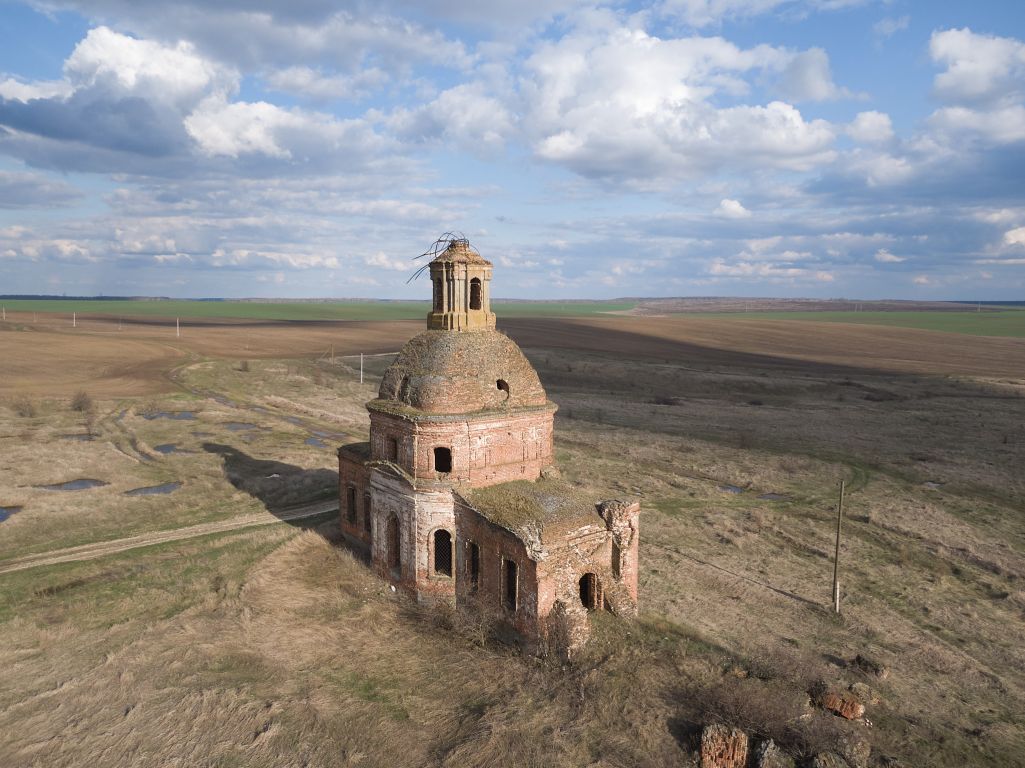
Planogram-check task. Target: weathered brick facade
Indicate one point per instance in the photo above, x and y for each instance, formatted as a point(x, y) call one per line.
point(448, 497)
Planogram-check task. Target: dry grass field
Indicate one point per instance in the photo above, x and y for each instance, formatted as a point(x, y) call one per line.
point(272, 646)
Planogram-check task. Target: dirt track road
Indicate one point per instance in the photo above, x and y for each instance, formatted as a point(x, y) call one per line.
point(103, 548)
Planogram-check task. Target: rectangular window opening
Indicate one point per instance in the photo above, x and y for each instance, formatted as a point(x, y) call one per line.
point(473, 565)
point(509, 593)
point(350, 504)
point(443, 460)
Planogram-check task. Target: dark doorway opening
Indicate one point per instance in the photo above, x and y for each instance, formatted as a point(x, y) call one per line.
point(509, 592)
point(393, 450)
point(589, 591)
point(443, 460)
point(442, 553)
point(394, 553)
point(475, 295)
point(617, 561)
point(366, 514)
point(439, 292)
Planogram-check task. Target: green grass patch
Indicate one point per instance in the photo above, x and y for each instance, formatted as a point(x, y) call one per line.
point(1002, 323)
point(148, 583)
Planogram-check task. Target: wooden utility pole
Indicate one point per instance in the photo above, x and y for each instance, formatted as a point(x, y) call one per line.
point(177, 327)
point(74, 319)
point(360, 367)
point(836, 556)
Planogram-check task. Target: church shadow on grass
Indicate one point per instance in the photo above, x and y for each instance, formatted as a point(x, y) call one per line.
point(277, 485)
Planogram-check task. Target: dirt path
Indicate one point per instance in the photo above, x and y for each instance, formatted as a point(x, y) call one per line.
point(103, 548)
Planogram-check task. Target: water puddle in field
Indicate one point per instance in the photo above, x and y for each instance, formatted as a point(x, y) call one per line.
point(6, 512)
point(773, 497)
point(81, 484)
point(155, 490)
point(932, 485)
point(316, 442)
point(239, 426)
point(337, 437)
point(731, 488)
point(175, 415)
point(203, 434)
point(166, 448)
point(77, 438)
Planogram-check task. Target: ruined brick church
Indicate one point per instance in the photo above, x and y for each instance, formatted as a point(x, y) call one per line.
point(456, 498)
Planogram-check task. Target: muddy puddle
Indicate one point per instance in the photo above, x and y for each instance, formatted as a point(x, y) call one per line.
point(174, 415)
point(773, 496)
point(316, 442)
point(167, 448)
point(6, 512)
point(77, 438)
point(155, 490)
point(727, 488)
point(81, 484)
point(239, 426)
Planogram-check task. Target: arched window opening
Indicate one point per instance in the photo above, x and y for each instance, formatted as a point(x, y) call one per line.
point(503, 386)
point(443, 460)
point(589, 591)
point(442, 553)
point(394, 553)
point(350, 504)
point(509, 586)
point(617, 561)
point(366, 513)
point(439, 294)
point(473, 564)
point(393, 450)
point(475, 294)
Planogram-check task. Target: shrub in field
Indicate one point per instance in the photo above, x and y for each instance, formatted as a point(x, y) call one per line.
point(24, 407)
point(81, 402)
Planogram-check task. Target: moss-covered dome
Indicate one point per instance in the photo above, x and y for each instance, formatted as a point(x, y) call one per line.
point(446, 372)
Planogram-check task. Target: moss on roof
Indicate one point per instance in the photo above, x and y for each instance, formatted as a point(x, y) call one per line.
point(461, 372)
point(521, 504)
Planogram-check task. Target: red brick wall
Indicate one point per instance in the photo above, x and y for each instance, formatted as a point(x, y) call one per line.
point(495, 544)
point(485, 451)
point(352, 473)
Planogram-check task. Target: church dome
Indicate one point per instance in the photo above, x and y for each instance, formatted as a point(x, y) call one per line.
point(445, 372)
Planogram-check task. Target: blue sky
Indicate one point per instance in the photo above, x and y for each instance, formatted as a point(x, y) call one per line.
point(819, 148)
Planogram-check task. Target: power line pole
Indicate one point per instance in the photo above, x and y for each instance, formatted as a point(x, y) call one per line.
point(836, 555)
point(74, 319)
point(360, 367)
point(177, 327)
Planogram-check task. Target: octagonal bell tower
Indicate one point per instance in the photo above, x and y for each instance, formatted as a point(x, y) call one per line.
point(462, 290)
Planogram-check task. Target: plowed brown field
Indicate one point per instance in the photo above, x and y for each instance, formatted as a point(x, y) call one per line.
point(50, 358)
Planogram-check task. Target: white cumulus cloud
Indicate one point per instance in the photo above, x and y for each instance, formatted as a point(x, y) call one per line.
point(871, 128)
point(732, 209)
point(1015, 236)
point(885, 257)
